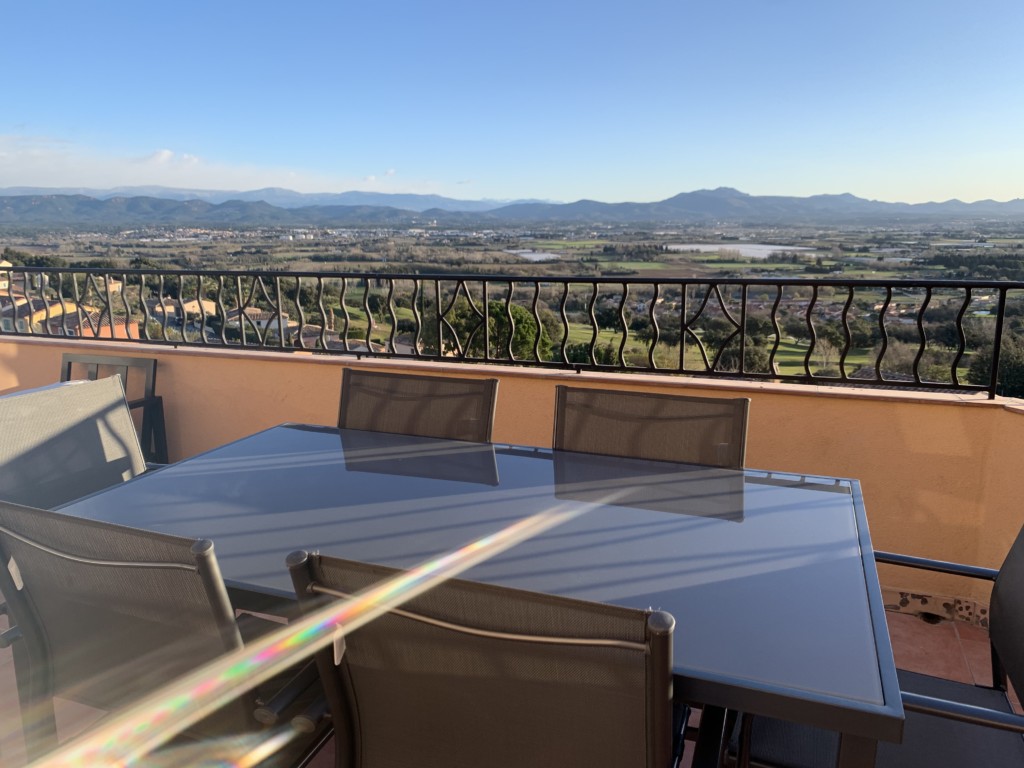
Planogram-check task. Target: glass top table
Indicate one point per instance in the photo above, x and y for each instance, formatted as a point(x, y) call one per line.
point(769, 575)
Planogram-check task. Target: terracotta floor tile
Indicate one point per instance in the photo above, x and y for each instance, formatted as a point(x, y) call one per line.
point(971, 632)
point(977, 652)
point(931, 649)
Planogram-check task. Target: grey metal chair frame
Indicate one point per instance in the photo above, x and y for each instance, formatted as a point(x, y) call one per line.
point(1006, 634)
point(625, 631)
point(35, 545)
point(656, 427)
point(153, 431)
point(425, 406)
point(65, 441)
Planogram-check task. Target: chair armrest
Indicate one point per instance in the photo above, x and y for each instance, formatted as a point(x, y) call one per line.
point(966, 713)
point(941, 566)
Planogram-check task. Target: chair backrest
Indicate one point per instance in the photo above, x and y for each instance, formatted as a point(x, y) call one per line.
point(63, 442)
point(138, 377)
point(693, 430)
point(427, 406)
point(1006, 614)
point(110, 613)
point(471, 674)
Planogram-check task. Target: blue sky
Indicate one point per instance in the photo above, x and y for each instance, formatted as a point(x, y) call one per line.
point(900, 100)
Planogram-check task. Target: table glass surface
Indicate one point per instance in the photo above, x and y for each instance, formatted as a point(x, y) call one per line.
point(762, 571)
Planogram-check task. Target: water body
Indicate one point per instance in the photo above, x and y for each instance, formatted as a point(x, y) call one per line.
point(534, 255)
point(746, 250)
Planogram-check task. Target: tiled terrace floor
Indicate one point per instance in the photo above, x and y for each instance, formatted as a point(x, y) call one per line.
point(954, 650)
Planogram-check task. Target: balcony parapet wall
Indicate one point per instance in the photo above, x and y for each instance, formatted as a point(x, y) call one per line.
point(940, 472)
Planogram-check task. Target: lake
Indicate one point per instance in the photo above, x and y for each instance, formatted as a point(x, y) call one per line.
point(746, 250)
point(534, 255)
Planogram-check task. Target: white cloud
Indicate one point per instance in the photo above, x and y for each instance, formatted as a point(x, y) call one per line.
point(160, 157)
point(42, 161)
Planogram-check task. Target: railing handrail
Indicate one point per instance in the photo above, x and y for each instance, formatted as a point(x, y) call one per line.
point(834, 282)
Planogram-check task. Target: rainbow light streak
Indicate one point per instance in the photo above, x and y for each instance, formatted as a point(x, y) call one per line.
point(125, 739)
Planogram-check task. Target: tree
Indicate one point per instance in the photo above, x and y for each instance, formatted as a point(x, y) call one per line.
point(1010, 381)
point(604, 354)
point(755, 358)
point(796, 328)
point(607, 316)
point(469, 331)
point(668, 329)
point(524, 337)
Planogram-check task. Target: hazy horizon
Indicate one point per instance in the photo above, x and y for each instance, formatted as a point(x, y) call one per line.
point(210, 191)
point(909, 102)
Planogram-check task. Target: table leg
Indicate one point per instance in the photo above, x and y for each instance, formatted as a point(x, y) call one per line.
point(856, 751)
point(709, 738)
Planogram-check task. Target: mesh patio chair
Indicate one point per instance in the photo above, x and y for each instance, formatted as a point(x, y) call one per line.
point(103, 614)
point(62, 442)
point(471, 674)
point(138, 376)
point(949, 724)
point(426, 406)
point(692, 430)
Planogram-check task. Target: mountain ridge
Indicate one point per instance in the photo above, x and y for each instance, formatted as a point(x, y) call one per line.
point(708, 206)
point(277, 196)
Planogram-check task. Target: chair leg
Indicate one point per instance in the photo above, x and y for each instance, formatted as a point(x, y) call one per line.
point(38, 722)
point(743, 751)
point(680, 716)
point(708, 751)
point(159, 433)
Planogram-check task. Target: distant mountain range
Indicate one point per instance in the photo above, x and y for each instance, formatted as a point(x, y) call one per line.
point(276, 196)
point(155, 206)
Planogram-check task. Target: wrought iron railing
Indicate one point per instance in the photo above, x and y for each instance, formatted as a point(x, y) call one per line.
point(939, 335)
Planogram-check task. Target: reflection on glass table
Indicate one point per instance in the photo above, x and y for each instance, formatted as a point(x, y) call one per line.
point(683, 489)
point(412, 456)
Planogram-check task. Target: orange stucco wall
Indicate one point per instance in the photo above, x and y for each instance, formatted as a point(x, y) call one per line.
point(939, 473)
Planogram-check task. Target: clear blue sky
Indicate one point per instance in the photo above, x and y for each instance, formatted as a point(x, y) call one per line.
point(898, 100)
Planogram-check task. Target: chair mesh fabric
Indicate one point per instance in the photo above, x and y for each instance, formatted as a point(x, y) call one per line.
point(61, 443)
point(437, 698)
point(692, 430)
point(110, 632)
point(426, 406)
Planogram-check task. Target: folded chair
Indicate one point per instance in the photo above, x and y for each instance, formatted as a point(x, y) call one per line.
point(138, 376)
point(468, 675)
point(103, 614)
point(692, 430)
point(949, 724)
point(427, 406)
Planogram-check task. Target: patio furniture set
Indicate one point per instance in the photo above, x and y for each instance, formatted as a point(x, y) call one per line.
point(682, 580)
